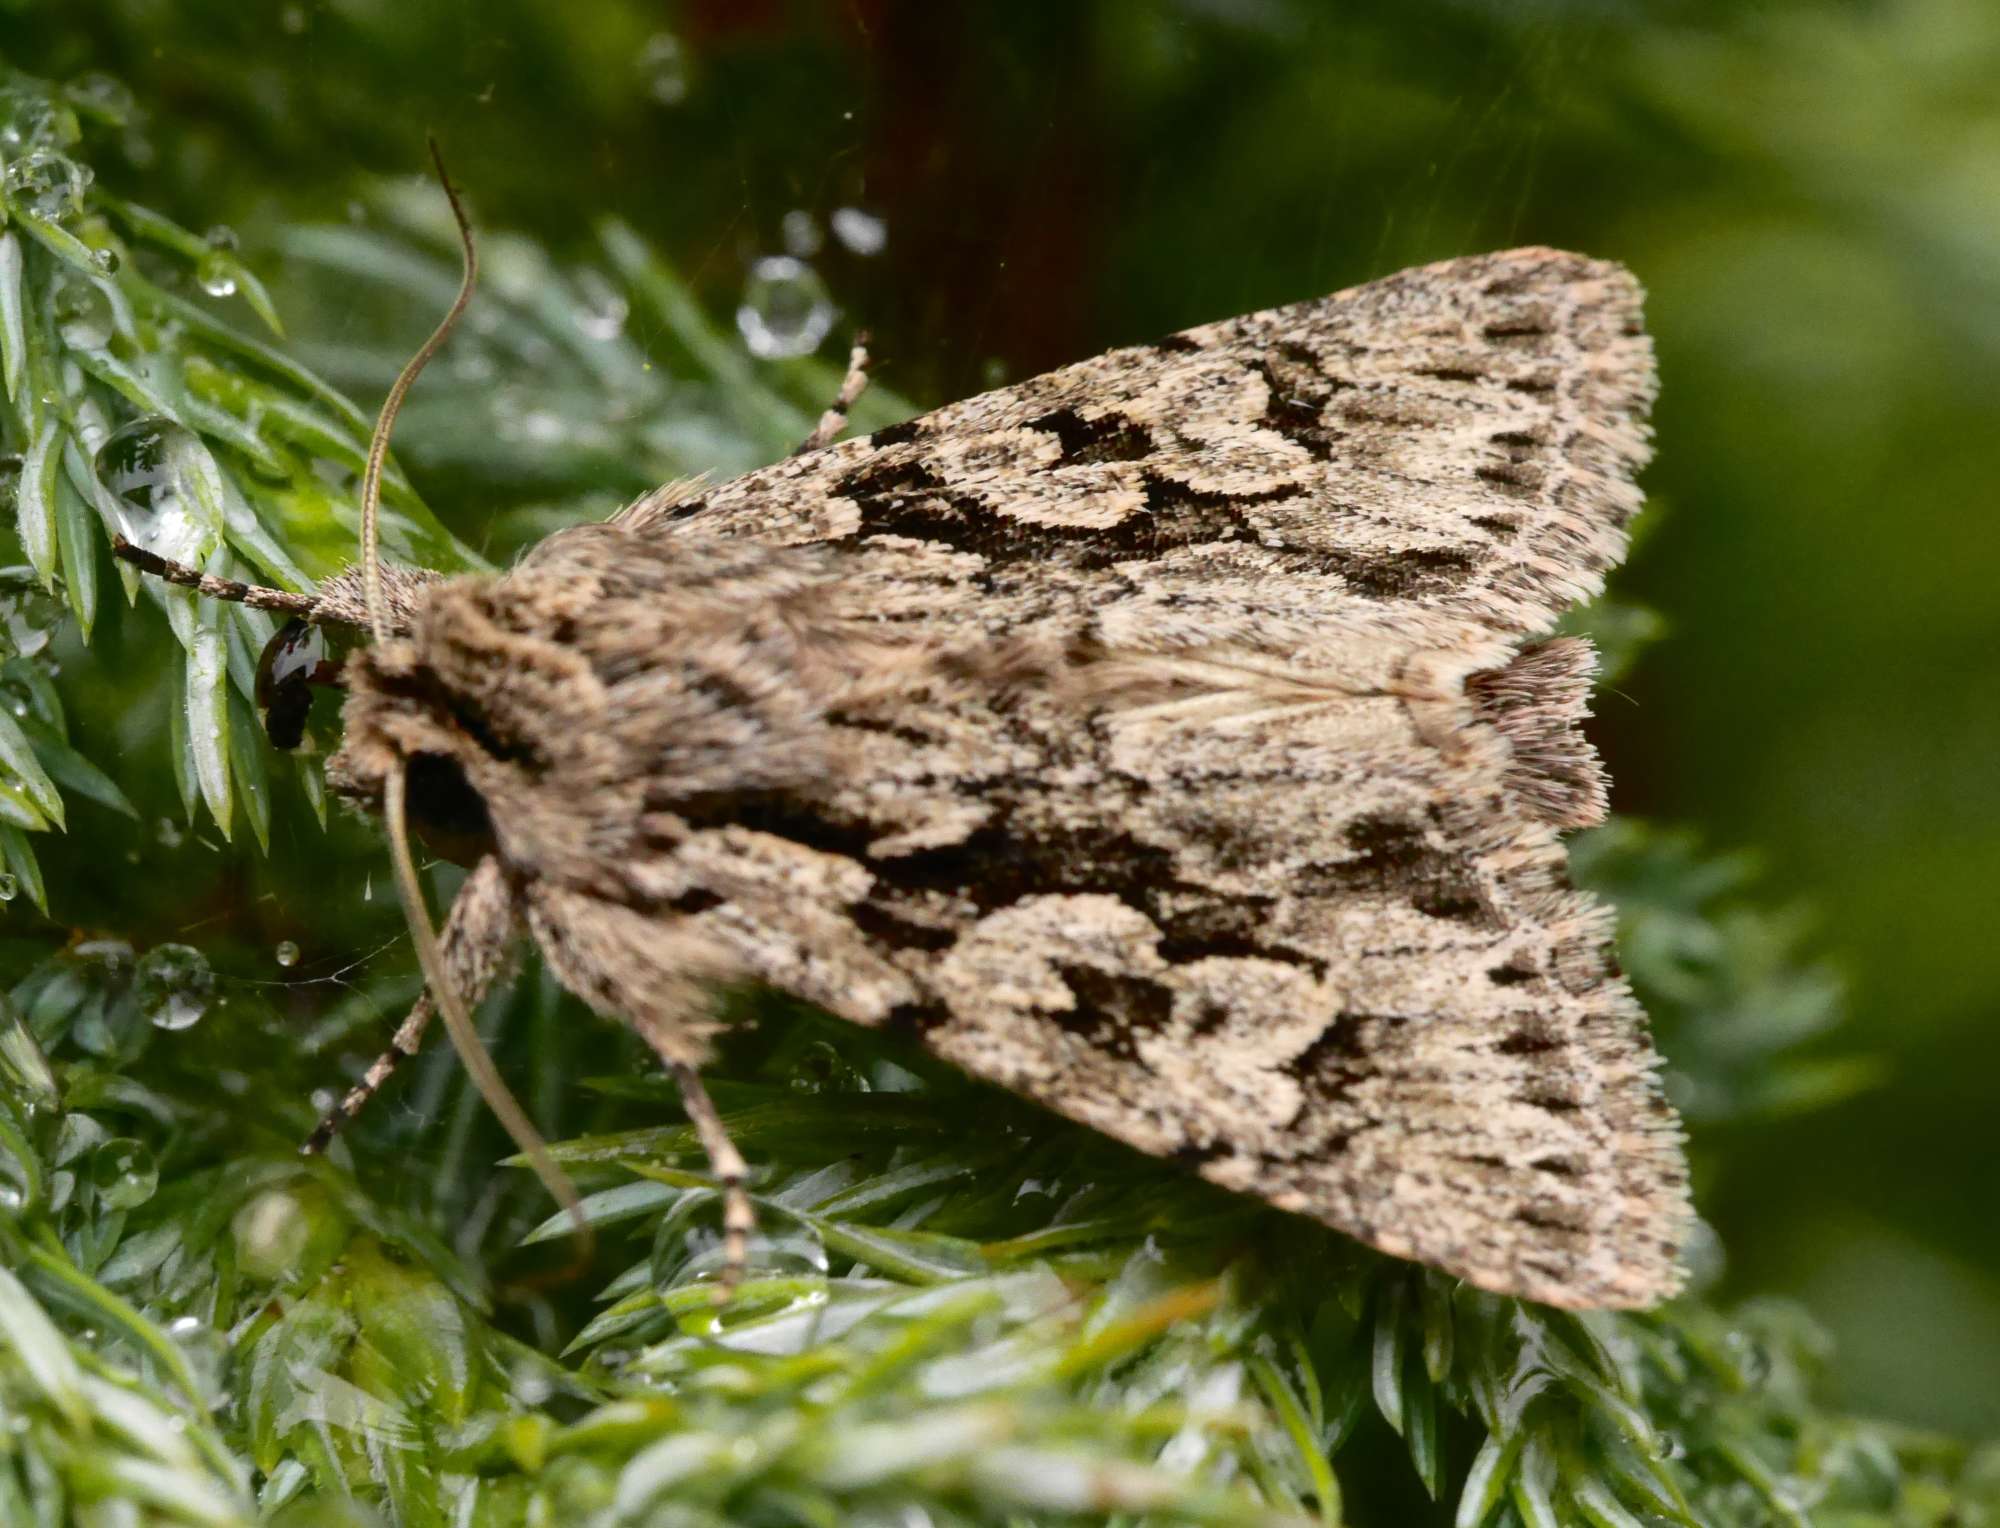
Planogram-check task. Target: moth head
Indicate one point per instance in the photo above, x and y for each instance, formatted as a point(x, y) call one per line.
point(607, 678)
point(396, 718)
point(310, 650)
point(396, 761)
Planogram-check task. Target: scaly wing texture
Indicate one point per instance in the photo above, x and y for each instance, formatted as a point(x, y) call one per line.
point(1253, 862)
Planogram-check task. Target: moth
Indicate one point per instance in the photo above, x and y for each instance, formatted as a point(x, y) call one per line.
point(1177, 739)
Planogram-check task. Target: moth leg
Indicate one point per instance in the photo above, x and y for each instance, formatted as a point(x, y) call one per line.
point(659, 975)
point(478, 935)
point(834, 420)
point(731, 1171)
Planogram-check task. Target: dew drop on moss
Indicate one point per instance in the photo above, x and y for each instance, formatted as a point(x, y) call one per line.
point(173, 985)
point(46, 185)
point(215, 273)
point(206, 1351)
point(271, 1233)
point(29, 619)
point(663, 68)
point(103, 96)
point(124, 1173)
point(861, 233)
point(144, 465)
point(82, 312)
point(286, 954)
point(9, 887)
point(785, 309)
point(31, 119)
point(800, 234)
point(602, 309)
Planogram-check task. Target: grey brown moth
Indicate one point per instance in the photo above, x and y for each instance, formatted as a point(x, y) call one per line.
point(1176, 739)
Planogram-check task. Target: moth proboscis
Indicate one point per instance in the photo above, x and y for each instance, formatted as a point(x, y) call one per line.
point(1176, 739)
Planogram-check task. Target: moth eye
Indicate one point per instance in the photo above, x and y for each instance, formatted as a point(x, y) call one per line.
point(293, 662)
point(447, 813)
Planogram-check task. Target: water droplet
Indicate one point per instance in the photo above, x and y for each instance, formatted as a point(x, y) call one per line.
point(215, 273)
point(29, 619)
point(30, 118)
point(1797, 1493)
point(271, 1233)
point(106, 261)
point(147, 465)
point(472, 362)
point(823, 1068)
point(103, 96)
point(603, 308)
point(47, 185)
point(9, 887)
point(206, 1350)
point(1702, 1255)
point(542, 427)
point(799, 232)
point(221, 236)
point(530, 1384)
point(1668, 1445)
point(1753, 1362)
point(83, 311)
point(169, 833)
point(286, 954)
point(124, 1173)
point(785, 309)
point(173, 985)
point(663, 66)
point(861, 232)
point(689, 1247)
point(112, 956)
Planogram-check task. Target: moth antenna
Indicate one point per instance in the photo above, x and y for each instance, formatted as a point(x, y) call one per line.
point(458, 1022)
point(378, 443)
point(302, 605)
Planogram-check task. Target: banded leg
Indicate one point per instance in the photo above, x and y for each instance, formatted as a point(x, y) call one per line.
point(731, 1171)
point(408, 1038)
point(834, 420)
point(478, 935)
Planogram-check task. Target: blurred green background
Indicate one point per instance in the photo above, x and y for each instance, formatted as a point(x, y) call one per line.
point(1810, 191)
